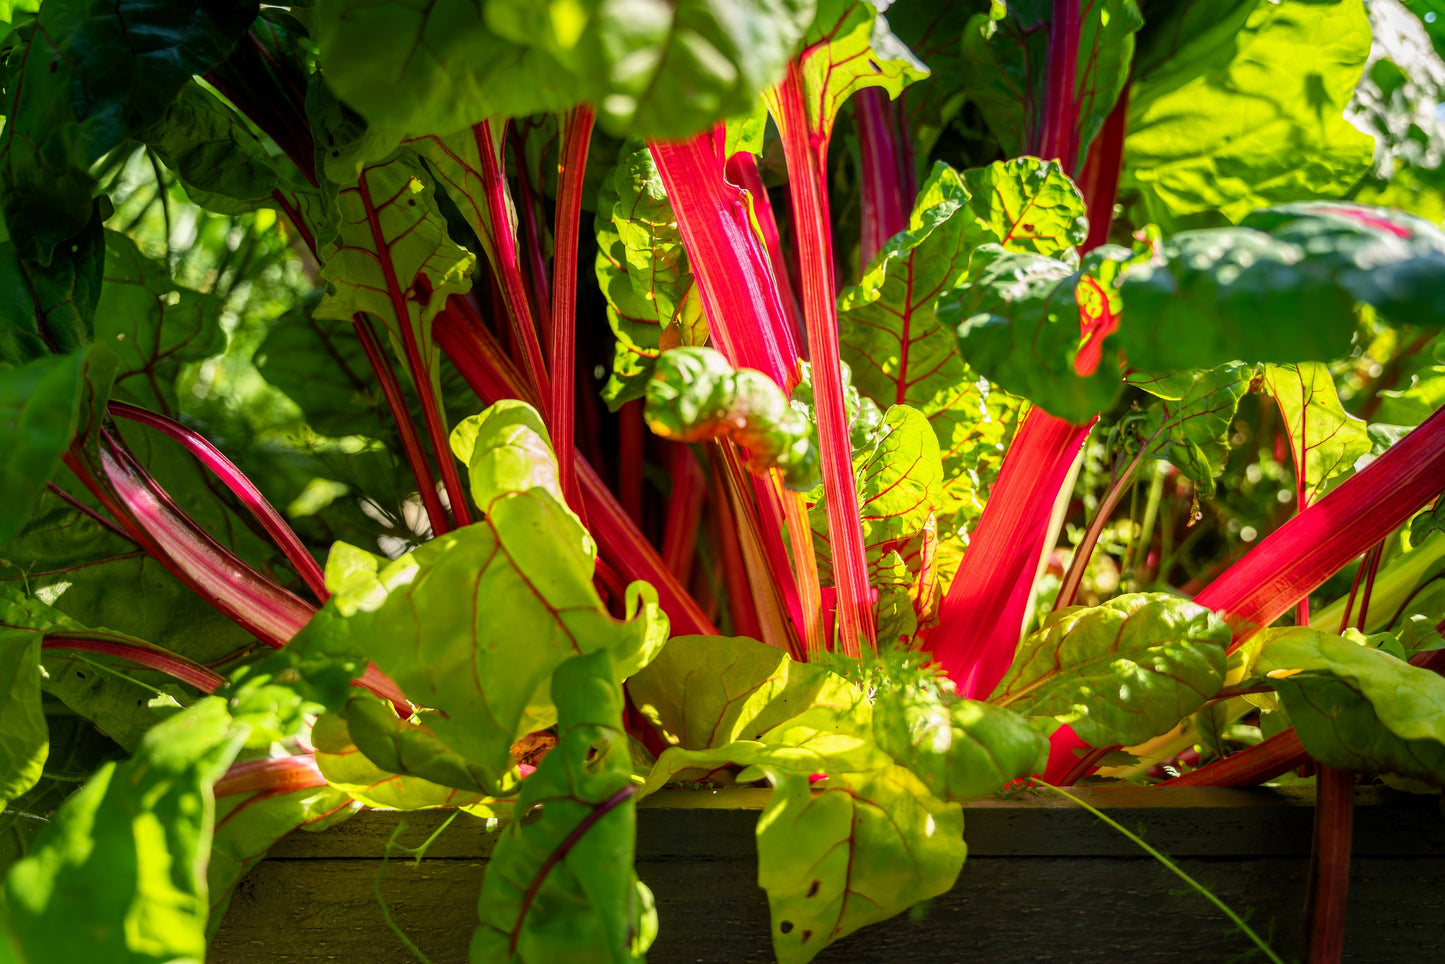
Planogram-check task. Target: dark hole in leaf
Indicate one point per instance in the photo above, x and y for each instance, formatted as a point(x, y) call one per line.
point(54, 66)
point(874, 64)
point(786, 927)
point(335, 153)
point(813, 890)
point(1028, 227)
point(411, 202)
point(806, 935)
point(79, 675)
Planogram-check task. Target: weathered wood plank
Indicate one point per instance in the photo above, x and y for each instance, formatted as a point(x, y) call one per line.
point(1043, 882)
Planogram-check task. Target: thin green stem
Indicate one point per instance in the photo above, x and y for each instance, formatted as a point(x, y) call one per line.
point(1173, 868)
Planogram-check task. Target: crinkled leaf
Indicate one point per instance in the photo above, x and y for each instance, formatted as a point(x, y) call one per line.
point(1355, 707)
point(867, 847)
point(960, 749)
point(42, 406)
point(1121, 672)
point(119, 872)
point(51, 308)
point(1428, 522)
point(704, 692)
point(434, 68)
point(900, 353)
point(1029, 206)
point(661, 70)
point(561, 887)
point(899, 486)
point(643, 272)
point(153, 325)
point(24, 734)
point(847, 48)
point(1017, 323)
point(1193, 431)
point(391, 257)
point(93, 74)
point(224, 166)
point(694, 395)
point(1282, 287)
point(1210, 67)
point(1008, 50)
point(1324, 439)
point(508, 598)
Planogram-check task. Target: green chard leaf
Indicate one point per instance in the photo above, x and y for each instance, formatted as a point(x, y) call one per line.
point(43, 404)
point(1281, 287)
point(643, 272)
point(1121, 672)
point(704, 692)
point(934, 33)
point(118, 873)
point(92, 75)
point(661, 73)
point(24, 733)
point(1324, 439)
point(530, 560)
point(1008, 52)
point(51, 309)
point(224, 166)
point(867, 847)
point(388, 254)
point(1192, 431)
point(1017, 323)
point(152, 325)
point(1206, 67)
point(434, 68)
point(694, 395)
point(1028, 206)
point(562, 887)
point(899, 484)
point(1355, 707)
point(351, 770)
point(960, 749)
point(848, 837)
point(1428, 522)
point(847, 48)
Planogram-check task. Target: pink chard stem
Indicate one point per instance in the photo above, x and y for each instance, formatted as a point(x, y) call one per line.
point(562, 344)
point(176, 667)
point(241, 486)
point(886, 174)
point(806, 152)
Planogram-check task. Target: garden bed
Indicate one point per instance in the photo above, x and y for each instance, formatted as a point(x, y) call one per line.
point(1044, 881)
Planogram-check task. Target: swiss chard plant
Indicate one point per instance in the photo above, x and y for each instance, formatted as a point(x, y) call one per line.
point(332, 480)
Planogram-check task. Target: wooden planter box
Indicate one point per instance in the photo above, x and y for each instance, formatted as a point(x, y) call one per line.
point(1044, 881)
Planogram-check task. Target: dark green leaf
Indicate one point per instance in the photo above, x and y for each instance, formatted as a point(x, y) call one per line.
point(1428, 522)
point(1017, 323)
point(1355, 707)
point(561, 887)
point(960, 749)
point(51, 309)
point(94, 74)
point(118, 874)
point(694, 395)
point(1193, 431)
point(42, 406)
point(1275, 76)
point(152, 325)
point(661, 73)
point(24, 735)
point(1008, 49)
point(434, 68)
point(225, 168)
point(1122, 672)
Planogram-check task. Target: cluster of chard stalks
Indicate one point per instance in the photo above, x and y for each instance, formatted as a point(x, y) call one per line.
point(758, 318)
